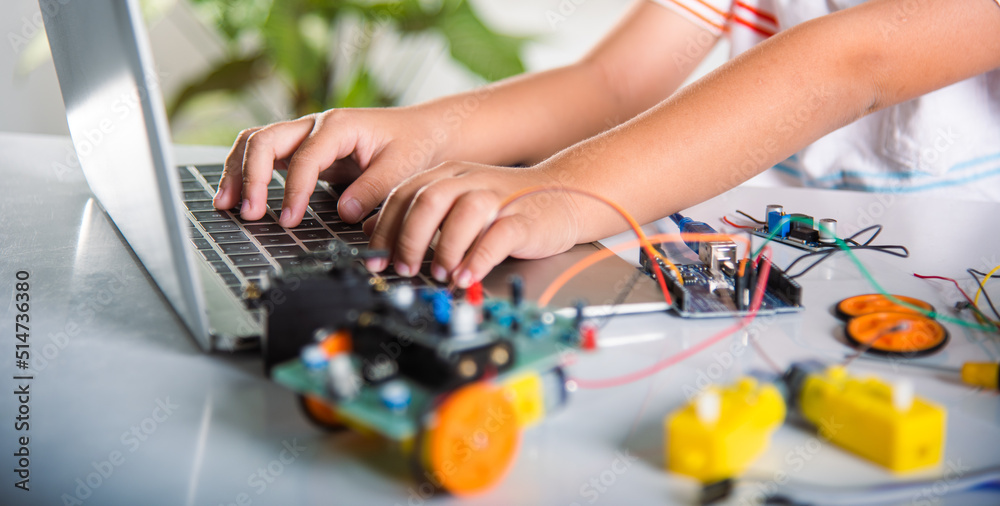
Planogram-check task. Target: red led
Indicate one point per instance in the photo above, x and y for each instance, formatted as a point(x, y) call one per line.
point(474, 294)
point(588, 337)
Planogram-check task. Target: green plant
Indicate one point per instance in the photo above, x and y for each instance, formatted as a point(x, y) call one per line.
point(294, 40)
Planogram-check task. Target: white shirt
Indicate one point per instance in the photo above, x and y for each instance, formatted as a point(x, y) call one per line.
point(945, 143)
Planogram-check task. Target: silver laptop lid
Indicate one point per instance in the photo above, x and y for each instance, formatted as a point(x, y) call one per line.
point(118, 126)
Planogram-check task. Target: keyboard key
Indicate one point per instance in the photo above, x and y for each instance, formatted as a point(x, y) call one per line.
point(200, 243)
point(344, 227)
point(267, 218)
point(274, 183)
point(274, 204)
point(223, 237)
point(246, 260)
point(329, 216)
point(191, 186)
point(290, 250)
point(221, 226)
point(200, 205)
point(260, 229)
point(193, 233)
point(220, 266)
point(211, 170)
point(316, 245)
point(275, 193)
point(192, 196)
point(312, 235)
point(211, 216)
point(323, 207)
point(321, 196)
point(185, 174)
point(256, 271)
point(210, 255)
point(238, 248)
point(230, 279)
point(237, 290)
point(353, 237)
point(275, 240)
point(308, 223)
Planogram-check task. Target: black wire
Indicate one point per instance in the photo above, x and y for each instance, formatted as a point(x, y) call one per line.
point(900, 251)
point(620, 298)
point(983, 274)
point(982, 288)
point(751, 218)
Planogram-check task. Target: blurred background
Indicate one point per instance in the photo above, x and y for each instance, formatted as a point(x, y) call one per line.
point(224, 65)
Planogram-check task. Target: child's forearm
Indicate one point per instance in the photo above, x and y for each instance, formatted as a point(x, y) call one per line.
point(772, 101)
point(525, 119)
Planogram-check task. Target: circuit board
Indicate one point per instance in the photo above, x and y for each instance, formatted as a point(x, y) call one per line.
point(704, 295)
point(791, 241)
point(539, 338)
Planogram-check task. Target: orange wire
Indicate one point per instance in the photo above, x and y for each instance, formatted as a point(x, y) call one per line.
point(643, 241)
point(597, 256)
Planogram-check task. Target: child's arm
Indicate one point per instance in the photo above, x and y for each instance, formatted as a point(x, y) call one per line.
point(749, 114)
point(520, 120)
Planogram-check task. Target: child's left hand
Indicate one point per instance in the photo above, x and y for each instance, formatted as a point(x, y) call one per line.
point(459, 198)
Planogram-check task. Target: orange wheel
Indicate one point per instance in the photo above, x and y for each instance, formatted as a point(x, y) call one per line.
point(908, 335)
point(474, 440)
point(320, 413)
point(877, 303)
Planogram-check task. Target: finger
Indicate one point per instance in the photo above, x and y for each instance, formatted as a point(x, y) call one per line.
point(263, 148)
point(330, 140)
point(386, 170)
point(430, 206)
point(464, 223)
point(369, 226)
point(231, 182)
point(498, 243)
point(390, 219)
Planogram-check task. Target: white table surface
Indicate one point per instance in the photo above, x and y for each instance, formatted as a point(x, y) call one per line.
point(113, 355)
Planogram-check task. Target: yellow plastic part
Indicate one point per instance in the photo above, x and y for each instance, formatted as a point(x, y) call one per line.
point(711, 451)
point(982, 374)
point(527, 398)
point(858, 414)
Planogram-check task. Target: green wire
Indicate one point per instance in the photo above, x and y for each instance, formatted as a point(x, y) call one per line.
point(844, 246)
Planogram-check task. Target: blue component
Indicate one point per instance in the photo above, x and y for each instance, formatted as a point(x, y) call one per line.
point(505, 321)
point(313, 358)
point(537, 330)
point(395, 395)
point(440, 305)
point(774, 222)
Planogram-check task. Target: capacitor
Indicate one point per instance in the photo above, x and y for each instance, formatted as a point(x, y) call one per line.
point(396, 396)
point(343, 379)
point(827, 230)
point(464, 324)
point(516, 291)
point(402, 296)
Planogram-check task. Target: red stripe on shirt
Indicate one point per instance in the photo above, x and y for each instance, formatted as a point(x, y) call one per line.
point(761, 14)
point(759, 29)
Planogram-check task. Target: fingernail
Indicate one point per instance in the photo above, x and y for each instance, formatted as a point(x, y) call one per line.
point(350, 210)
point(245, 208)
point(403, 269)
point(376, 264)
point(439, 273)
point(464, 279)
point(285, 217)
point(219, 195)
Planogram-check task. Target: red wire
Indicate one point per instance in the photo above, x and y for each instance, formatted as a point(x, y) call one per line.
point(948, 279)
point(758, 298)
point(725, 219)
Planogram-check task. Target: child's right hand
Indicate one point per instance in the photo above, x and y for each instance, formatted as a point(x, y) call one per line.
point(387, 145)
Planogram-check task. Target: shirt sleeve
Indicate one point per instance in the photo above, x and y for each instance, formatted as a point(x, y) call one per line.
point(712, 15)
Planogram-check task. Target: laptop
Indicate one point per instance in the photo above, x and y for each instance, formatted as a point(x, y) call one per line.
point(200, 257)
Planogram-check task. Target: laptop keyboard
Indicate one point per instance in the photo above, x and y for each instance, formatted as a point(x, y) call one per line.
point(242, 251)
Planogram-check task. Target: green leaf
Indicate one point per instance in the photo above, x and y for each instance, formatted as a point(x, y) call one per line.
point(481, 50)
point(228, 75)
point(364, 92)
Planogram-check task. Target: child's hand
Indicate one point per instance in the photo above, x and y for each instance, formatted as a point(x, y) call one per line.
point(387, 145)
point(459, 198)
